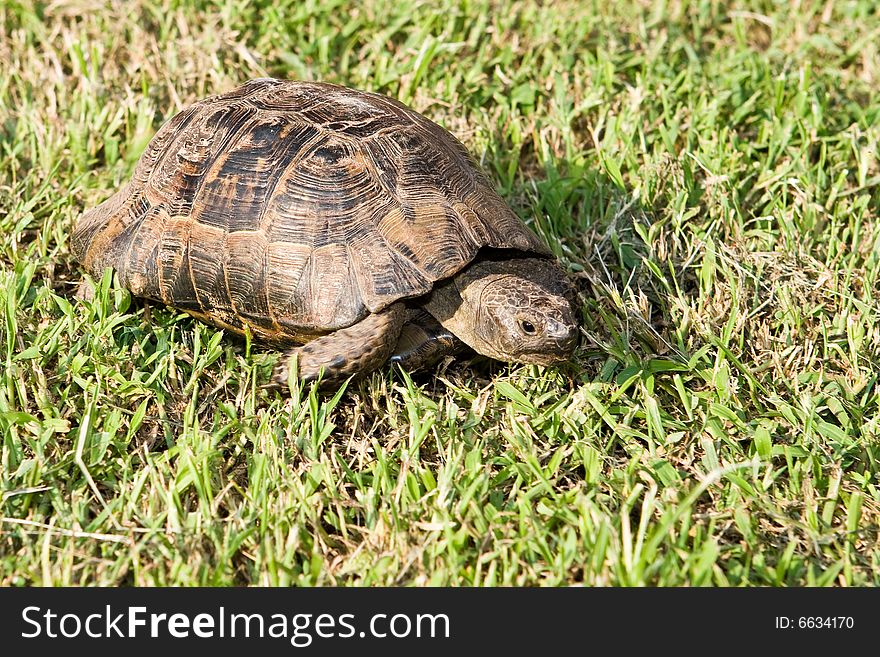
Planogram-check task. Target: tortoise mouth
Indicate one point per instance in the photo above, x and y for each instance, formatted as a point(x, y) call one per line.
point(543, 359)
point(562, 340)
point(559, 350)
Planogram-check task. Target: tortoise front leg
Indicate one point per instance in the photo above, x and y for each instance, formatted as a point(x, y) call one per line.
point(355, 350)
point(423, 342)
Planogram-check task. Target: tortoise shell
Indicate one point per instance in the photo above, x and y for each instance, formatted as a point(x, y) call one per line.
point(295, 209)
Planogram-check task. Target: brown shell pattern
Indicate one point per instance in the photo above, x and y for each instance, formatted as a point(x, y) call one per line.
point(296, 208)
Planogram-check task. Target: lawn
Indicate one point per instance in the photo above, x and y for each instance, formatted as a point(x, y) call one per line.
point(706, 171)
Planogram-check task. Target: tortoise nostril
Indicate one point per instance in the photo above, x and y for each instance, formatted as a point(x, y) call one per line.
point(558, 330)
point(564, 335)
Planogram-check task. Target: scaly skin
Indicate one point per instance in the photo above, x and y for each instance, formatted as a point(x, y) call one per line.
point(355, 350)
point(423, 342)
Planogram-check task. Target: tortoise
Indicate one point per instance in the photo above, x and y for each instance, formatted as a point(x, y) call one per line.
point(339, 224)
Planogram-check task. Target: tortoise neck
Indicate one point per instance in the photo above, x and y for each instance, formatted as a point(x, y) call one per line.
point(455, 304)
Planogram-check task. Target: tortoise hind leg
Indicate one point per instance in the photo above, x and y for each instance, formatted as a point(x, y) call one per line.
point(423, 342)
point(355, 350)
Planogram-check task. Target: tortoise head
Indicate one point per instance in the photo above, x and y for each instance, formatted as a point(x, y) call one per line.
point(518, 310)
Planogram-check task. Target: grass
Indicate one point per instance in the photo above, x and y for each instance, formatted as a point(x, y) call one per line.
point(707, 171)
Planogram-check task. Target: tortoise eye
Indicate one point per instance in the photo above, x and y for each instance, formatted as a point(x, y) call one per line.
point(527, 327)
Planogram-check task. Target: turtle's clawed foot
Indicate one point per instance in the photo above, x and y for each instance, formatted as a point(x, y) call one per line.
point(423, 342)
